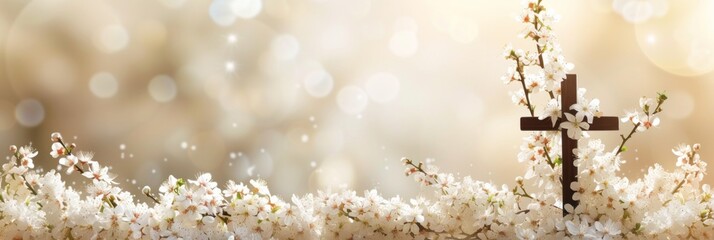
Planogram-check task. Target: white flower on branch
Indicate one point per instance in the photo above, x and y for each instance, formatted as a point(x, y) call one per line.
point(575, 125)
point(589, 110)
point(552, 111)
point(646, 121)
point(96, 172)
point(630, 116)
point(85, 157)
point(57, 150)
point(69, 162)
point(170, 185)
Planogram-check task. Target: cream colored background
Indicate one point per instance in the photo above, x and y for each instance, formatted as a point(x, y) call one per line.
point(451, 104)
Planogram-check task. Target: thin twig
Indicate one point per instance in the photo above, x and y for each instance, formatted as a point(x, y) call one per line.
point(69, 153)
point(624, 139)
point(676, 189)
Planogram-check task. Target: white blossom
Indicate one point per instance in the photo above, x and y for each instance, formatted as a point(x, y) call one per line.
point(575, 125)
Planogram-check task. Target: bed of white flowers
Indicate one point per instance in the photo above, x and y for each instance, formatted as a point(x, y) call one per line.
point(38, 204)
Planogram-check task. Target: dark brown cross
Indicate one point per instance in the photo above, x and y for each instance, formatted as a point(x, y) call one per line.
point(569, 96)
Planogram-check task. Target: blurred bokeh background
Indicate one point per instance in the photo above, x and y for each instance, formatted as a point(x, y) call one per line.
point(318, 94)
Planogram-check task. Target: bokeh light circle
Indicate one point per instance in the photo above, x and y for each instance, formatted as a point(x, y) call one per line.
point(221, 12)
point(285, 47)
point(162, 88)
point(352, 100)
point(639, 11)
point(29, 112)
point(682, 41)
point(112, 38)
point(318, 83)
point(382, 87)
point(103, 85)
point(246, 8)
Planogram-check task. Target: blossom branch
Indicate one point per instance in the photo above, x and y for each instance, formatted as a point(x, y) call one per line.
point(622, 148)
point(547, 155)
point(680, 184)
point(537, 25)
point(644, 121)
point(23, 158)
point(419, 168)
point(65, 150)
point(29, 186)
point(147, 192)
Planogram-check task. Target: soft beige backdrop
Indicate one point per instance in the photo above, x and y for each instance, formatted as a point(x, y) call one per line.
point(316, 94)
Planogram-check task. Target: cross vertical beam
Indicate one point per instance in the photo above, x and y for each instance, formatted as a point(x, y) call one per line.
point(569, 96)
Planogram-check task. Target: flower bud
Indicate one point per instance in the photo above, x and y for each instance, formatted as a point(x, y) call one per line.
point(519, 180)
point(208, 220)
point(13, 149)
point(696, 147)
point(146, 190)
point(661, 97)
point(56, 137)
point(72, 146)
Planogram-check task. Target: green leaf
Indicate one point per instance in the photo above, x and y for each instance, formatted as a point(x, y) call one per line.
point(661, 97)
point(558, 160)
point(703, 213)
point(637, 229)
point(623, 149)
point(180, 182)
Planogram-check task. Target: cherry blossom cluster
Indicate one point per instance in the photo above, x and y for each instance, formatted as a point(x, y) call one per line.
point(540, 70)
point(37, 204)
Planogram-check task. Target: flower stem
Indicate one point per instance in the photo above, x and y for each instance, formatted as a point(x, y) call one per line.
point(524, 194)
point(676, 189)
point(28, 185)
point(69, 153)
point(547, 154)
point(152, 198)
point(519, 69)
point(624, 139)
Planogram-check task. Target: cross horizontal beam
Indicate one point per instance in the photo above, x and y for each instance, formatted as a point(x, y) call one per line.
point(599, 124)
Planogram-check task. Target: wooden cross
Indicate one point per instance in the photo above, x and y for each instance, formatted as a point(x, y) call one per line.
point(569, 96)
